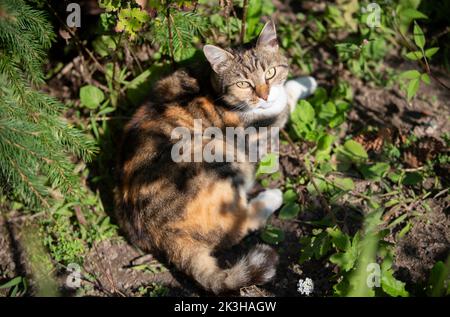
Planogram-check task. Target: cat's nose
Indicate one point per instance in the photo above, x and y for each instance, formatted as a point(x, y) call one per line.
point(262, 91)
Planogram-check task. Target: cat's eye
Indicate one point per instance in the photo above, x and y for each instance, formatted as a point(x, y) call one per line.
point(243, 84)
point(270, 73)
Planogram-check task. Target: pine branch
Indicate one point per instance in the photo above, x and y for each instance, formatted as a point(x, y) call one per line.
point(35, 141)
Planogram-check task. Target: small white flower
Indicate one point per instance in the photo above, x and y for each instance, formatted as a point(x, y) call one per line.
point(306, 286)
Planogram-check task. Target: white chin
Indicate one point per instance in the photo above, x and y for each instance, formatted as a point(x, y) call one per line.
point(275, 104)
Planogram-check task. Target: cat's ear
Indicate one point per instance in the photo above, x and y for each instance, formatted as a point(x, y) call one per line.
point(216, 56)
point(268, 37)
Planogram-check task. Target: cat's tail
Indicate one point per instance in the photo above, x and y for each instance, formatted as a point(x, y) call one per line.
point(256, 268)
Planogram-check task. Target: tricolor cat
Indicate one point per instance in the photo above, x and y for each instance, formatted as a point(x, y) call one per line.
point(188, 210)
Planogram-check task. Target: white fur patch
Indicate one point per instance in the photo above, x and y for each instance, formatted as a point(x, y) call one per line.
point(275, 104)
point(271, 199)
point(299, 88)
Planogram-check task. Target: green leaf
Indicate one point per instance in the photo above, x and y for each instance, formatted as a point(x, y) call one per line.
point(325, 142)
point(321, 185)
point(320, 96)
point(438, 275)
point(289, 211)
point(317, 245)
point(419, 37)
point(355, 151)
point(389, 283)
point(345, 260)
point(374, 171)
point(131, 20)
point(337, 120)
point(104, 45)
point(404, 230)
point(412, 88)
point(272, 235)
point(339, 239)
point(342, 106)
point(91, 96)
point(268, 164)
point(305, 111)
point(410, 74)
point(327, 110)
point(395, 176)
point(412, 14)
point(345, 184)
point(15, 281)
point(425, 78)
point(414, 56)
point(290, 196)
point(431, 51)
point(412, 178)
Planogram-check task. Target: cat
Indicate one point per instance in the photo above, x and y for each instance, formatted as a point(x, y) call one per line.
point(188, 210)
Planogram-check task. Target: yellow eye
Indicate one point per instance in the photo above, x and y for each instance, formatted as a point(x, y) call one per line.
point(270, 73)
point(243, 84)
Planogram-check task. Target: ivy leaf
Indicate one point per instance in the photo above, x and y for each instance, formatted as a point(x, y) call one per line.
point(419, 37)
point(91, 96)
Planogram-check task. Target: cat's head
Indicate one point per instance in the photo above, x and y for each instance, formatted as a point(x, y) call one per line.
point(251, 80)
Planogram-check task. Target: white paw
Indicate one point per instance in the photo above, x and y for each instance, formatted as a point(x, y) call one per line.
point(299, 88)
point(271, 200)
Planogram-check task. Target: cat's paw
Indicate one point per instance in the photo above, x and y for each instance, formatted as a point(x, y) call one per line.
point(299, 88)
point(269, 201)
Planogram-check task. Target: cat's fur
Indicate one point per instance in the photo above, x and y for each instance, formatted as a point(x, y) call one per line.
point(189, 210)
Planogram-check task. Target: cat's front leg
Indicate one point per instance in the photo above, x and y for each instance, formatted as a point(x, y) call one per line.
point(263, 206)
point(299, 88)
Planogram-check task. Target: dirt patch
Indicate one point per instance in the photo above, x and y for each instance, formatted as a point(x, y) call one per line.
point(8, 268)
point(426, 243)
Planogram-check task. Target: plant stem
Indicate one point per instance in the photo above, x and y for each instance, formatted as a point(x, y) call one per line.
point(322, 199)
point(169, 29)
point(425, 65)
point(244, 19)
